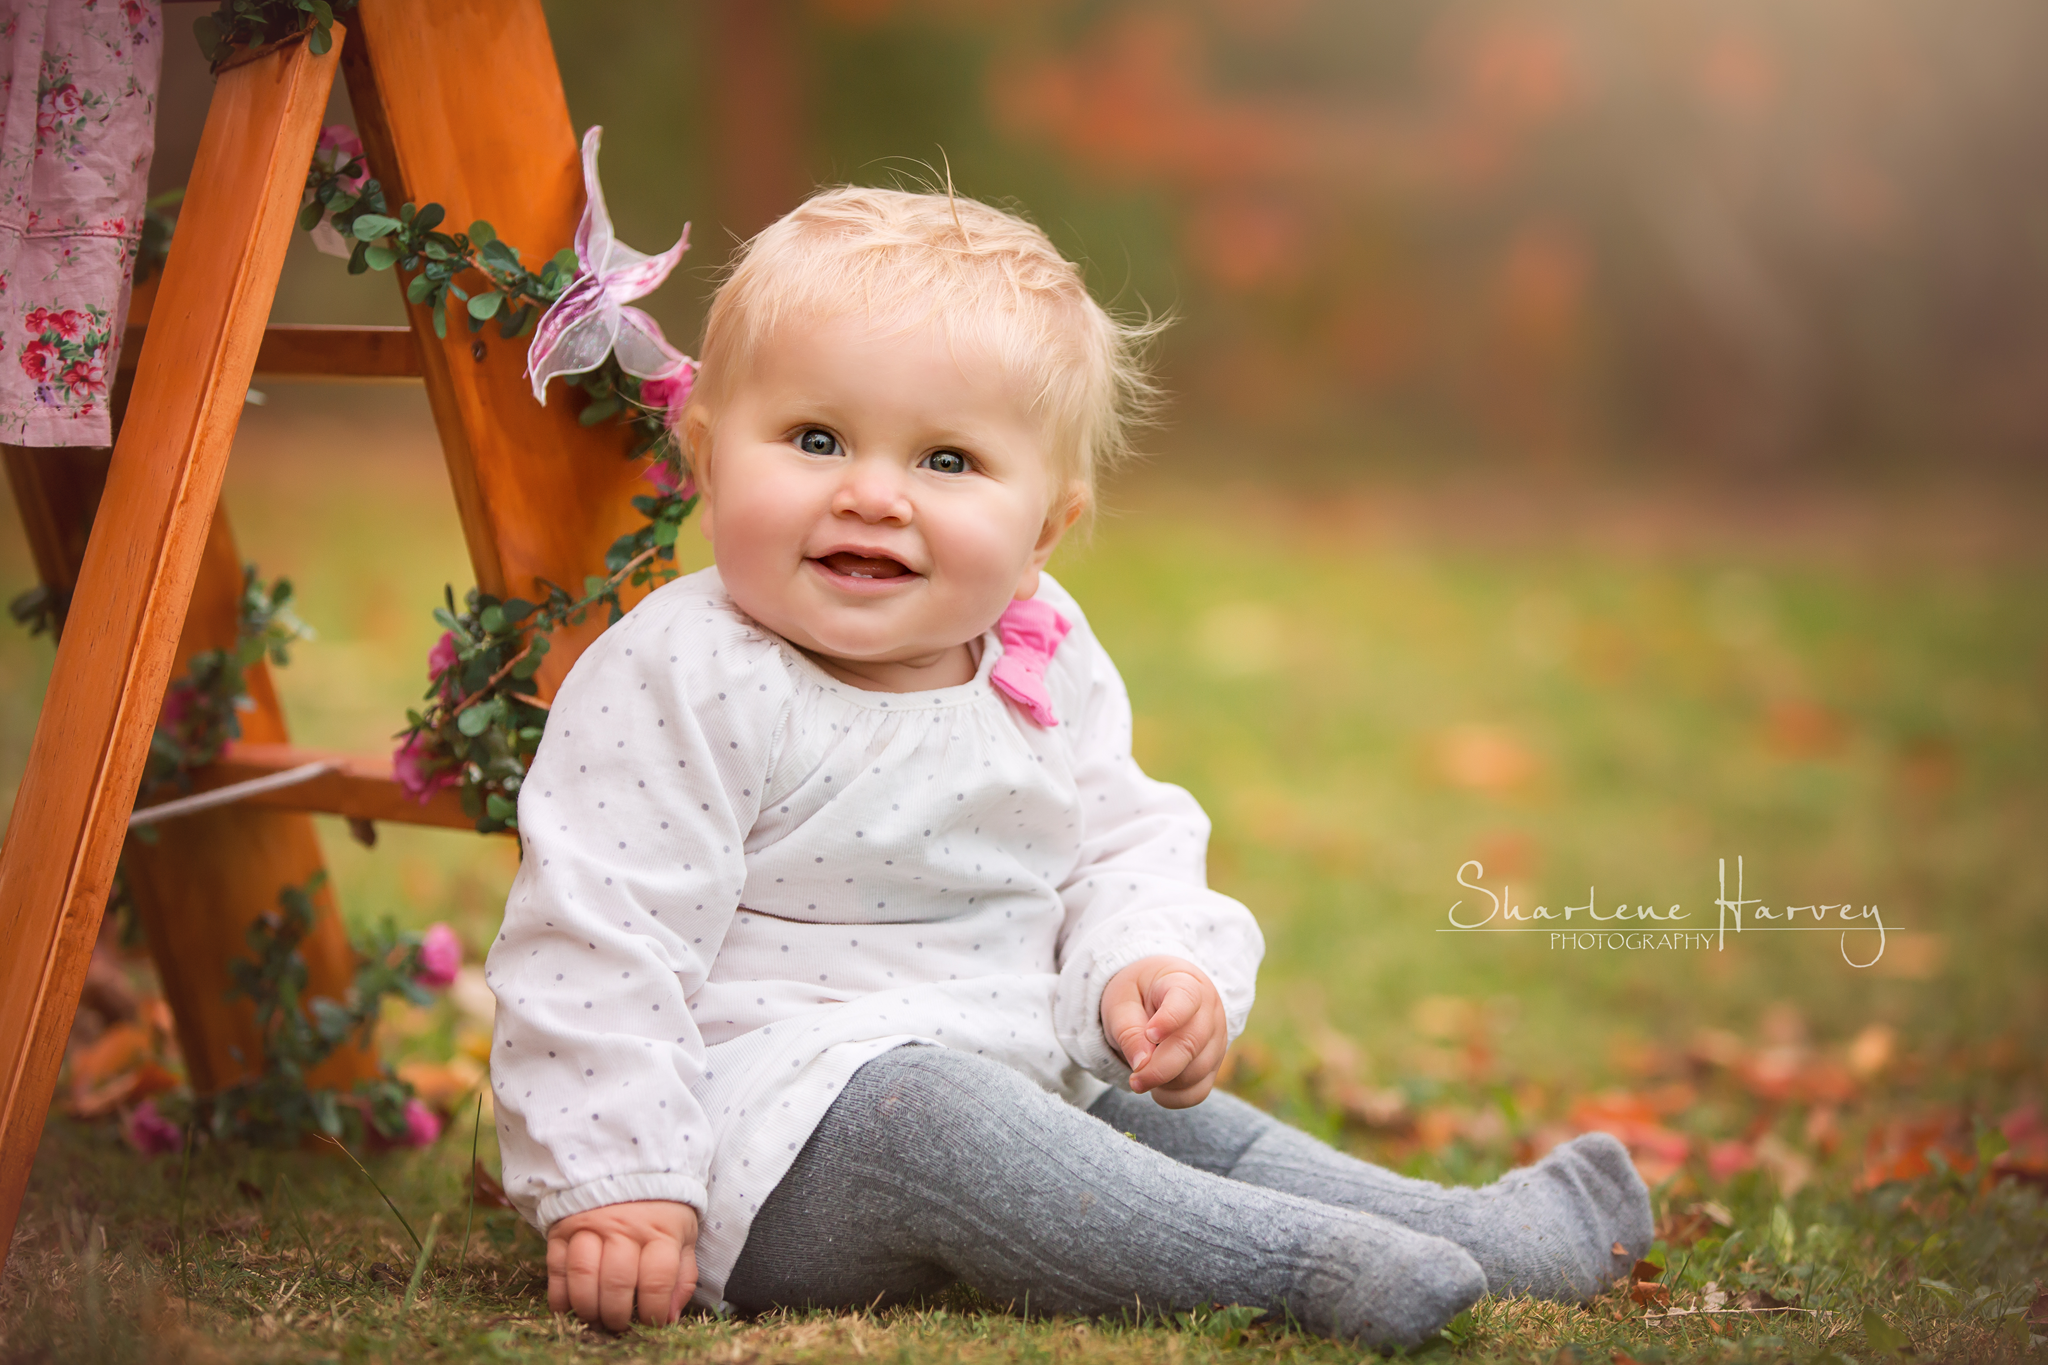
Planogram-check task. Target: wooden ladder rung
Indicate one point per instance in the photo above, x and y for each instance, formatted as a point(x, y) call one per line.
point(311, 351)
point(361, 788)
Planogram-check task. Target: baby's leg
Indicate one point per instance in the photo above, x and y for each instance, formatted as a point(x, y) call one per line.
point(935, 1166)
point(1548, 1229)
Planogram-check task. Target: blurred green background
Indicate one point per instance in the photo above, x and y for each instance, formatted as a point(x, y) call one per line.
point(1606, 441)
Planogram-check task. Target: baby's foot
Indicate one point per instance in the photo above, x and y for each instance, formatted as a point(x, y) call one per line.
point(1382, 1284)
point(1564, 1228)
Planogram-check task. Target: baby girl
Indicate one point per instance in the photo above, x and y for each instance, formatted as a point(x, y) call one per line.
point(849, 942)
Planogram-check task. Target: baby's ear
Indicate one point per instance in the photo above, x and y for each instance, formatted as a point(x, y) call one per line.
point(1059, 521)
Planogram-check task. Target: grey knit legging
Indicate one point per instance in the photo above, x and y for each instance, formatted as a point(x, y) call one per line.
point(936, 1166)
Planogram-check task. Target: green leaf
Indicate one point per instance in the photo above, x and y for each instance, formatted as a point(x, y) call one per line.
point(368, 227)
point(485, 306)
point(209, 35)
point(482, 233)
point(440, 317)
point(598, 411)
point(498, 808)
point(429, 217)
point(527, 666)
point(380, 257)
point(1881, 1336)
point(475, 720)
point(357, 264)
point(309, 216)
point(492, 619)
point(418, 290)
point(321, 40)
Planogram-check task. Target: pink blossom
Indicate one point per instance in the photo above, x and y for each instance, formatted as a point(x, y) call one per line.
point(410, 765)
point(150, 1133)
point(338, 146)
point(440, 957)
point(441, 662)
point(662, 475)
point(67, 322)
point(63, 101)
point(422, 1125)
point(39, 361)
point(86, 377)
point(179, 700)
point(670, 393)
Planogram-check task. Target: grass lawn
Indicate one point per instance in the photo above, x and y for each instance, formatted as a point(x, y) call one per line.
point(1597, 696)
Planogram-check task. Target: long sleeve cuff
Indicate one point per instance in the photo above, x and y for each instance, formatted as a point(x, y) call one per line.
point(673, 1186)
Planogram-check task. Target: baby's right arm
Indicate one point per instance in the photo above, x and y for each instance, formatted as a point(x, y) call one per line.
point(632, 820)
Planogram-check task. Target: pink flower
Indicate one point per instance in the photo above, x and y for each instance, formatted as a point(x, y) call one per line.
point(440, 957)
point(150, 1133)
point(179, 699)
point(670, 393)
point(86, 377)
point(422, 1125)
point(63, 101)
point(410, 767)
point(338, 146)
point(662, 475)
point(39, 361)
point(441, 662)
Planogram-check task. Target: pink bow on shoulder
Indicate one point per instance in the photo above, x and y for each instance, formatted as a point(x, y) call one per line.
point(1030, 631)
point(592, 318)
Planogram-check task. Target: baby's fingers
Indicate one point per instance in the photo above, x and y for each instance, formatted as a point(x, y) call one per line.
point(1177, 1009)
point(658, 1266)
point(1123, 1019)
point(558, 1274)
point(583, 1259)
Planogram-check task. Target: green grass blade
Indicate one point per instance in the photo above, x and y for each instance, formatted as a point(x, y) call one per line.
point(475, 1132)
point(378, 1188)
point(419, 1266)
point(291, 1202)
point(184, 1170)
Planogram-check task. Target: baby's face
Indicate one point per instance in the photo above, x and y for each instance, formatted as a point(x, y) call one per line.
point(876, 497)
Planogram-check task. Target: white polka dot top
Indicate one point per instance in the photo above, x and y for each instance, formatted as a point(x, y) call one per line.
point(742, 878)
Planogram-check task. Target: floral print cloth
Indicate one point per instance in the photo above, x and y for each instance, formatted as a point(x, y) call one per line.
point(78, 83)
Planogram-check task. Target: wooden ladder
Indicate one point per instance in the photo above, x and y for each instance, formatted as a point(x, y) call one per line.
point(461, 103)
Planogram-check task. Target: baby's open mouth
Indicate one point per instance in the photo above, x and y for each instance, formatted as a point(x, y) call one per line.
point(863, 566)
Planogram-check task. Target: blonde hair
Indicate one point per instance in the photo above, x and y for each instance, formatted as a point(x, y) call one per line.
point(987, 275)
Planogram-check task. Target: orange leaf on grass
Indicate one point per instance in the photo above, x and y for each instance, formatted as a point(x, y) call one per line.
point(1658, 1151)
point(1650, 1295)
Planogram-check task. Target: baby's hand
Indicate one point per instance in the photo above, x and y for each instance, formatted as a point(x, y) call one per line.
point(598, 1260)
point(1164, 1014)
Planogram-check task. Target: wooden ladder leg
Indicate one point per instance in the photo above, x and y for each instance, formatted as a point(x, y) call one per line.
point(209, 876)
point(126, 615)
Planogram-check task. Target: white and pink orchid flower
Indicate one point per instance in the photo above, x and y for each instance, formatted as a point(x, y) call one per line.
point(591, 319)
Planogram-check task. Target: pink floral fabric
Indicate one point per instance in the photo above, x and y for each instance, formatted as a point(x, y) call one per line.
point(78, 84)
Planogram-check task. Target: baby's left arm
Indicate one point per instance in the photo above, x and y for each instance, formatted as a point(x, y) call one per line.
point(1140, 889)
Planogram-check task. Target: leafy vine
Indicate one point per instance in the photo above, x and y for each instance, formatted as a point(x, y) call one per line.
point(481, 722)
point(279, 1106)
point(247, 23)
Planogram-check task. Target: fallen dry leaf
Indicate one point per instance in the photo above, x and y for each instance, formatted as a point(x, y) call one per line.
point(1650, 1295)
point(484, 1187)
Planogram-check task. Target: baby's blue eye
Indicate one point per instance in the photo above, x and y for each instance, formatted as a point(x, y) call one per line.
point(946, 462)
point(818, 441)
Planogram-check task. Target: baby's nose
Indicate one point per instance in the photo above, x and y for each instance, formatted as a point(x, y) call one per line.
point(873, 492)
